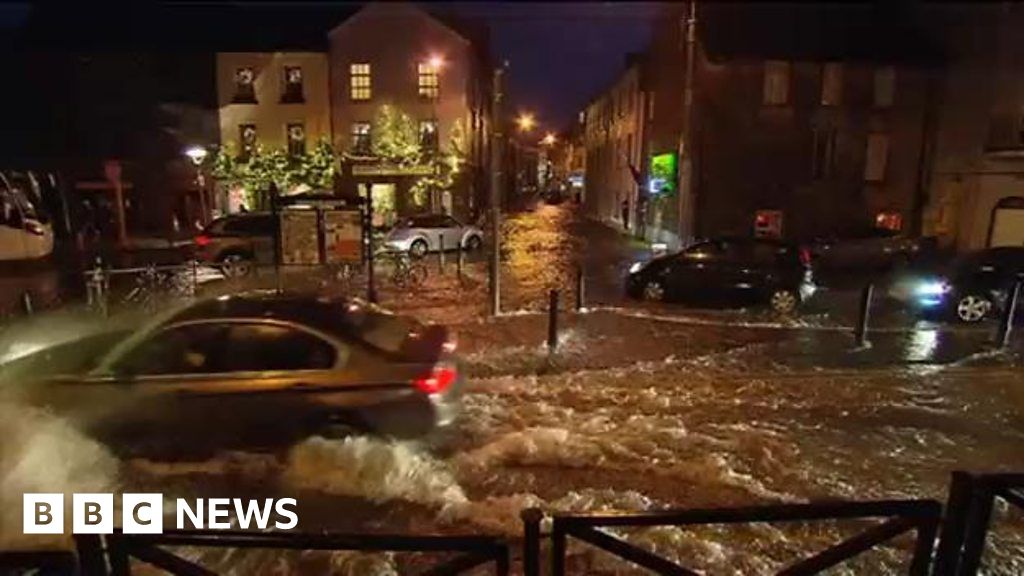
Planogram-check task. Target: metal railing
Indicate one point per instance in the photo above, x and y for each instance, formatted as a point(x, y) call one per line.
point(112, 556)
point(968, 515)
point(901, 516)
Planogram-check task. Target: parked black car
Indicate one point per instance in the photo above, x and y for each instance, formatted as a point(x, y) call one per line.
point(975, 286)
point(730, 271)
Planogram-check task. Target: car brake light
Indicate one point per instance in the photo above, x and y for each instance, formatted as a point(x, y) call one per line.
point(202, 240)
point(805, 256)
point(441, 377)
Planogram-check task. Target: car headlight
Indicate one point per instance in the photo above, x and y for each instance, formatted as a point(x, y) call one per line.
point(636, 267)
point(932, 288)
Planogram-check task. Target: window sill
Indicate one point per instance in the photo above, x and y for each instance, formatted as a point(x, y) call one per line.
point(360, 100)
point(243, 100)
point(293, 100)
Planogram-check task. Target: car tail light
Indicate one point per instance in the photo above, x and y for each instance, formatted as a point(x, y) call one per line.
point(805, 256)
point(440, 378)
point(202, 240)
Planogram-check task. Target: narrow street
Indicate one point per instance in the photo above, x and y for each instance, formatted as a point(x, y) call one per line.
point(641, 407)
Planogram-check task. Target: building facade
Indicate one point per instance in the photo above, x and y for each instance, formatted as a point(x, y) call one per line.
point(801, 136)
point(399, 58)
point(276, 100)
point(976, 190)
point(614, 137)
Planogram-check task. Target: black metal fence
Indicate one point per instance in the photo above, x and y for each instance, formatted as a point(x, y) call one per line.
point(964, 529)
point(900, 516)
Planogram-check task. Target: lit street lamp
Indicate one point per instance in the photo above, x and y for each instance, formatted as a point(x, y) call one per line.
point(549, 139)
point(526, 122)
point(197, 154)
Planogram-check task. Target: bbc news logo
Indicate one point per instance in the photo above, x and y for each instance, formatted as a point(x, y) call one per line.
point(144, 513)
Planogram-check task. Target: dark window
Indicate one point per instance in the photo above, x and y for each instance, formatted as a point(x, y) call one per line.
point(296, 139)
point(247, 139)
point(262, 225)
point(429, 221)
point(189, 349)
point(428, 135)
point(823, 159)
point(361, 138)
point(245, 86)
point(291, 90)
point(258, 347)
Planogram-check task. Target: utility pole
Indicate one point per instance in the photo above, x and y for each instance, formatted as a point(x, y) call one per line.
point(685, 186)
point(497, 158)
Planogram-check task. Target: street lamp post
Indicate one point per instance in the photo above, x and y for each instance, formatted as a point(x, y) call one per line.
point(436, 62)
point(197, 154)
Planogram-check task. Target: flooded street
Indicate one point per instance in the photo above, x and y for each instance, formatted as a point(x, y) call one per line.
point(642, 407)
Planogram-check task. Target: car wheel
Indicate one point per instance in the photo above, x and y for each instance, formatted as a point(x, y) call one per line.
point(973, 308)
point(418, 249)
point(235, 265)
point(784, 301)
point(473, 243)
point(654, 291)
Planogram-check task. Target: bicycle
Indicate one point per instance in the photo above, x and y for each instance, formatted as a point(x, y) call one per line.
point(405, 272)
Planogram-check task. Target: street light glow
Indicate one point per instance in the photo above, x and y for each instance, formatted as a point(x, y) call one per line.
point(436, 61)
point(196, 153)
point(526, 122)
point(549, 139)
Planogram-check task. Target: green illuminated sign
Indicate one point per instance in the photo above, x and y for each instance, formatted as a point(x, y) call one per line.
point(663, 173)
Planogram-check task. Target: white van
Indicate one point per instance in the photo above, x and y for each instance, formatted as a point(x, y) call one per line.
point(25, 232)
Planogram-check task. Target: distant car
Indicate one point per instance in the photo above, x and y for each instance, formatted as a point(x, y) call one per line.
point(975, 286)
point(867, 247)
point(260, 369)
point(238, 242)
point(732, 271)
point(26, 232)
point(421, 234)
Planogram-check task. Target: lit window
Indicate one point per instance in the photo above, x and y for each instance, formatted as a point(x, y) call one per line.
point(245, 86)
point(247, 138)
point(361, 142)
point(428, 81)
point(296, 139)
point(428, 134)
point(877, 157)
point(832, 84)
point(889, 221)
point(776, 83)
point(292, 89)
point(885, 86)
point(360, 82)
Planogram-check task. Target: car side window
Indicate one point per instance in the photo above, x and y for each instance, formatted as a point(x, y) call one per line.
point(260, 347)
point(188, 349)
point(702, 251)
point(450, 222)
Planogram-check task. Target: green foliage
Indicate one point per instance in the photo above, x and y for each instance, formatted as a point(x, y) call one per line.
point(256, 173)
point(395, 137)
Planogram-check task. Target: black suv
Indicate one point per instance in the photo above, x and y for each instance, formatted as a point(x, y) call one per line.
point(730, 271)
point(975, 286)
point(237, 242)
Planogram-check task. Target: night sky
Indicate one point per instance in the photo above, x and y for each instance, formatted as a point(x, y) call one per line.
point(561, 54)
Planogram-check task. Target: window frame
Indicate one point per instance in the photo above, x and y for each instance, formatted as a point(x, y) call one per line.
point(428, 81)
point(880, 97)
point(244, 148)
point(361, 136)
point(434, 144)
point(779, 82)
point(292, 92)
point(244, 93)
point(360, 81)
point(879, 175)
point(832, 92)
point(300, 145)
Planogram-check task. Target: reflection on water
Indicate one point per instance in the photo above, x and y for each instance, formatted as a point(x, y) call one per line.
point(923, 344)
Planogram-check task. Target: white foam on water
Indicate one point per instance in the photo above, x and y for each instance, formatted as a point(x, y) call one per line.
point(44, 453)
point(376, 469)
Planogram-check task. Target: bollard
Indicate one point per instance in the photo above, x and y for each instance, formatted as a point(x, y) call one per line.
point(1006, 322)
point(26, 302)
point(553, 321)
point(195, 278)
point(440, 253)
point(96, 288)
point(579, 288)
point(861, 331)
point(531, 540)
point(460, 262)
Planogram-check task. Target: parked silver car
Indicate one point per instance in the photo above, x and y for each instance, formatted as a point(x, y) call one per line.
point(418, 235)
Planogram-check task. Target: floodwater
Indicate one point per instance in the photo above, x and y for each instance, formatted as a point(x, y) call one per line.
point(639, 409)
